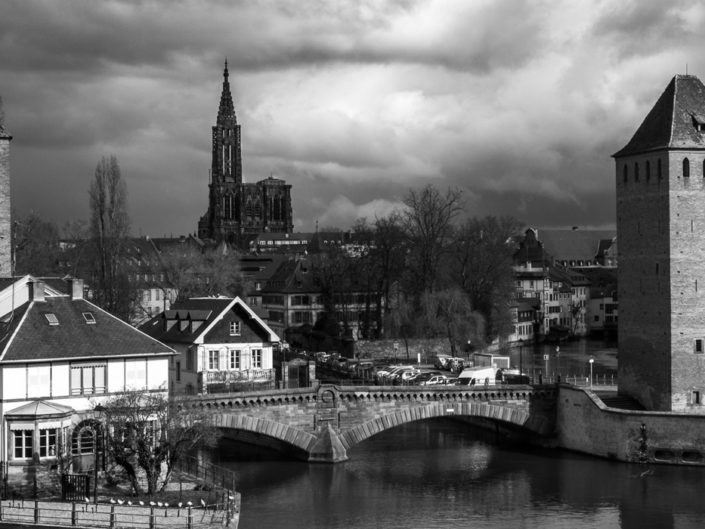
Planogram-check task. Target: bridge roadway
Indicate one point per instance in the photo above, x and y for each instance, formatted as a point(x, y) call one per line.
point(320, 424)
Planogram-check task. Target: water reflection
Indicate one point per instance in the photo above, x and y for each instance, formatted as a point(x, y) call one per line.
point(439, 473)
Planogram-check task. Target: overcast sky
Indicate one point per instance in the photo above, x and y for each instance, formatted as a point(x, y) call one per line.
point(518, 103)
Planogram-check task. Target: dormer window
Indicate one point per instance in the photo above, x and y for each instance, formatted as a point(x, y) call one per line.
point(90, 319)
point(51, 318)
point(235, 328)
point(699, 122)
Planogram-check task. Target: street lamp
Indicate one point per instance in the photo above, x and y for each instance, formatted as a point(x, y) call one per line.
point(592, 361)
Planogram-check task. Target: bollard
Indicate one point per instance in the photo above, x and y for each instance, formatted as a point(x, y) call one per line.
point(152, 520)
point(36, 511)
point(189, 523)
point(112, 516)
point(73, 513)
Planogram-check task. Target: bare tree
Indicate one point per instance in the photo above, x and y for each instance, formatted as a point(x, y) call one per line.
point(148, 432)
point(196, 272)
point(36, 243)
point(428, 223)
point(110, 226)
point(449, 313)
point(388, 254)
point(482, 268)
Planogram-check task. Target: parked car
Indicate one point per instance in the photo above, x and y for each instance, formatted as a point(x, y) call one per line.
point(403, 375)
point(436, 380)
point(456, 365)
point(386, 375)
point(422, 377)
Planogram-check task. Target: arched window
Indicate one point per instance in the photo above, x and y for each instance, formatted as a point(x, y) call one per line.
point(686, 168)
point(624, 172)
point(648, 171)
point(636, 172)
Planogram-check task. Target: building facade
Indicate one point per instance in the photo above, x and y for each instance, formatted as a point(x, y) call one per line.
point(221, 345)
point(63, 356)
point(238, 211)
point(660, 181)
point(5, 206)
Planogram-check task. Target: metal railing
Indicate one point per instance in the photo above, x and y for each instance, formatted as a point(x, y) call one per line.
point(214, 475)
point(112, 515)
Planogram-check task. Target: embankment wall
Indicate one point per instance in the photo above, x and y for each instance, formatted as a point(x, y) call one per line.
point(585, 424)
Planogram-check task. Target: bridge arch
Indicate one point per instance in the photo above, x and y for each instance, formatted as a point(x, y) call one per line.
point(289, 435)
point(352, 436)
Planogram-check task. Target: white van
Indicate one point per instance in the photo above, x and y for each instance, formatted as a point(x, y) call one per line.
point(478, 376)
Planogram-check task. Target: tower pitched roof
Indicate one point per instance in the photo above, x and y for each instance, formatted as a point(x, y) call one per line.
point(676, 121)
point(226, 110)
point(3, 132)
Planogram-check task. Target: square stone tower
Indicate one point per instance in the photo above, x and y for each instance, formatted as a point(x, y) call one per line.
point(661, 233)
point(5, 208)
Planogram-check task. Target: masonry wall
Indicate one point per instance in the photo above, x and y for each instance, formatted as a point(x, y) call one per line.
point(5, 208)
point(643, 276)
point(687, 279)
point(585, 424)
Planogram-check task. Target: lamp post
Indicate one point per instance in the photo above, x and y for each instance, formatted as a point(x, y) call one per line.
point(96, 429)
point(592, 361)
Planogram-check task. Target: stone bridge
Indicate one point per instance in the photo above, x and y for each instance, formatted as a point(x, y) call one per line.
point(320, 424)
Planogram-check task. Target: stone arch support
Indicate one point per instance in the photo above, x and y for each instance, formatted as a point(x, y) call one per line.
point(508, 414)
point(293, 436)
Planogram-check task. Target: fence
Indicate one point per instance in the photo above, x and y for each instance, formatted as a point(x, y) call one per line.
point(211, 474)
point(114, 516)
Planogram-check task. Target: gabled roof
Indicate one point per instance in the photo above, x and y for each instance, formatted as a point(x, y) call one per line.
point(574, 245)
point(674, 120)
point(198, 316)
point(30, 336)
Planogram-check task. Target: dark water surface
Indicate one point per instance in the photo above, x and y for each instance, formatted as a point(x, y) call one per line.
point(444, 474)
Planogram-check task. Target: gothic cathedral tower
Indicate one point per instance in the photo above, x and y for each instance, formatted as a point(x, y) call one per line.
point(661, 233)
point(237, 210)
point(6, 267)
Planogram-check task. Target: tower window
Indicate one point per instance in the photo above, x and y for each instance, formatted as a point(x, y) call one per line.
point(695, 397)
point(659, 174)
point(686, 168)
point(648, 171)
point(699, 345)
point(636, 172)
point(624, 173)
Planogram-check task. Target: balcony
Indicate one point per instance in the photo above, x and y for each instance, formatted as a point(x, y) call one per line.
point(233, 381)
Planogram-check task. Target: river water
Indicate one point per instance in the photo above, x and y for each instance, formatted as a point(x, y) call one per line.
point(445, 474)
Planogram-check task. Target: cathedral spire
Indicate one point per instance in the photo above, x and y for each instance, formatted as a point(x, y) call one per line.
point(226, 110)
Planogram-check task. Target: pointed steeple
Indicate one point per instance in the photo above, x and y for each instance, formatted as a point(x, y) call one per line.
point(226, 110)
point(3, 132)
point(676, 121)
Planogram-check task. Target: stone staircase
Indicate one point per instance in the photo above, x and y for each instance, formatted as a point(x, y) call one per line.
point(621, 402)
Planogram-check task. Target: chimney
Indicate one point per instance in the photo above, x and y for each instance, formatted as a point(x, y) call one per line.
point(36, 290)
point(76, 288)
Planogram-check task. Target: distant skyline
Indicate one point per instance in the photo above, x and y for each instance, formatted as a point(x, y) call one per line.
point(518, 103)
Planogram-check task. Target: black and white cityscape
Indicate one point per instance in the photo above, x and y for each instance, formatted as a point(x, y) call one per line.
point(358, 264)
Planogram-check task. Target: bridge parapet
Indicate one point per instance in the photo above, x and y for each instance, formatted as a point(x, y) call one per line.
point(324, 422)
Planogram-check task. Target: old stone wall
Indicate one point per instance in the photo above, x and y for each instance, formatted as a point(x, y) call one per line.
point(5, 207)
point(585, 424)
point(644, 264)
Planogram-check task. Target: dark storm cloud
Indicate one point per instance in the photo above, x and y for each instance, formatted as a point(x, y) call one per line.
point(519, 103)
point(640, 28)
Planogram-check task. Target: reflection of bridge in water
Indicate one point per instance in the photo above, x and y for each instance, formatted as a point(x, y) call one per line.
point(321, 424)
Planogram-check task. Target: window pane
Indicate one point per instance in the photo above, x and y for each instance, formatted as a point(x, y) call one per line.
point(99, 379)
